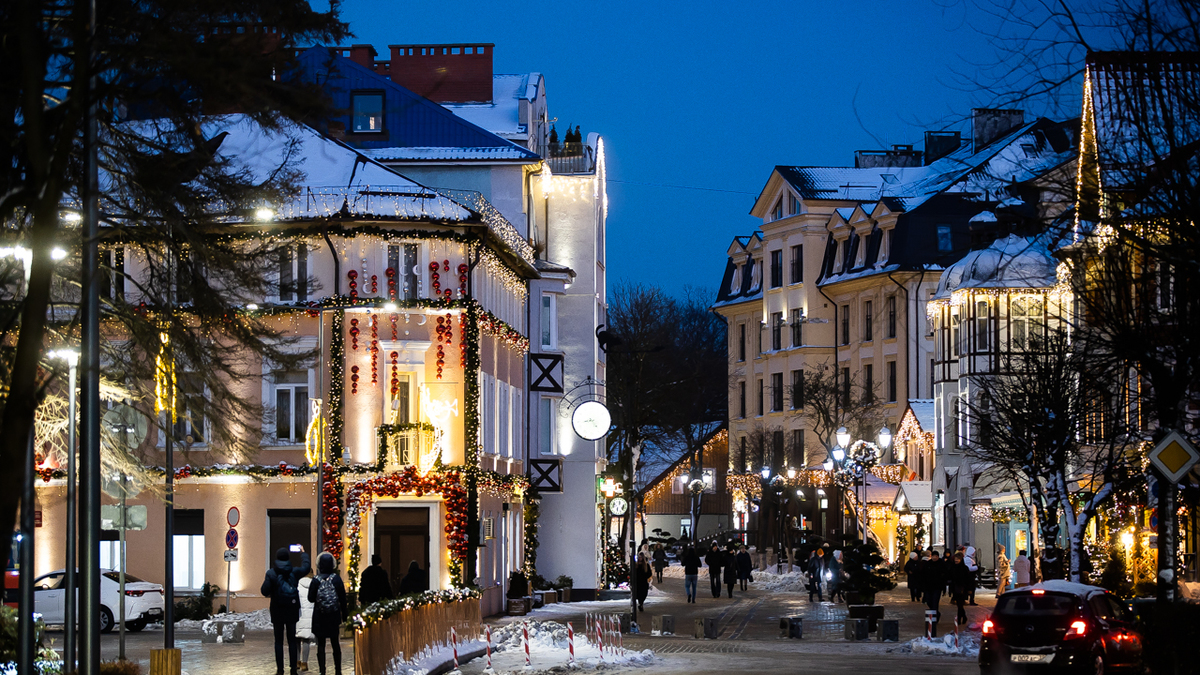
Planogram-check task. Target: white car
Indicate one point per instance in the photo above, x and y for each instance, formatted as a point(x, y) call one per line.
point(143, 600)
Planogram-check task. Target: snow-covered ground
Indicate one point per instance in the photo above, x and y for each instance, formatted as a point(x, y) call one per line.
point(788, 582)
point(964, 644)
point(257, 620)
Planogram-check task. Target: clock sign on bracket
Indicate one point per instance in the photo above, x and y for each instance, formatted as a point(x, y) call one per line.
point(591, 420)
point(618, 506)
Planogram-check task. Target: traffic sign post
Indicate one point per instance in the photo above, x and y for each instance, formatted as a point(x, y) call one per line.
point(1171, 458)
point(231, 556)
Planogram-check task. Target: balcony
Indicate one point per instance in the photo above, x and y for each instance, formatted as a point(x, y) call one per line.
point(407, 445)
point(568, 158)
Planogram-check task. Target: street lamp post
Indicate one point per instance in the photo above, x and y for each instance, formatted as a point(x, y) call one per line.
point(71, 356)
point(856, 463)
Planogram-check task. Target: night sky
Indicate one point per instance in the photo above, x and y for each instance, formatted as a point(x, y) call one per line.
point(713, 95)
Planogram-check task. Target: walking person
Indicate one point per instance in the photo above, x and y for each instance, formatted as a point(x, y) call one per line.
point(933, 584)
point(731, 570)
point(643, 580)
point(745, 567)
point(969, 561)
point(415, 581)
point(912, 570)
point(304, 625)
point(660, 561)
point(1021, 569)
point(373, 585)
point(715, 560)
point(1002, 571)
point(816, 575)
point(328, 595)
point(836, 575)
point(961, 581)
point(281, 585)
point(691, 572)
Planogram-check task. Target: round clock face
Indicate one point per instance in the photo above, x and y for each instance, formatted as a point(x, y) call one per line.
point(591, 420)
point(618, 506)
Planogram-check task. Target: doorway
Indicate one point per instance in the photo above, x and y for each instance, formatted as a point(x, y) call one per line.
point(286, 527)
point(402, 536)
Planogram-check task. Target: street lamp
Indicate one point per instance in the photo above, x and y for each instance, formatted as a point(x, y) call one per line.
point(843, 436)
point(854, 464)
point(71, 356)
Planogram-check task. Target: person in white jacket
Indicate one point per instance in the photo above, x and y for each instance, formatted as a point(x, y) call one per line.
point(1021, 569)
point(304, 625)
point(969, 561)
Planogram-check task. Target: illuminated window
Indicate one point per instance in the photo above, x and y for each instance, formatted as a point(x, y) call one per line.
point(367, 109)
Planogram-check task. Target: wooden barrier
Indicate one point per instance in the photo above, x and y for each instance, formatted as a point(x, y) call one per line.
point(409, 631)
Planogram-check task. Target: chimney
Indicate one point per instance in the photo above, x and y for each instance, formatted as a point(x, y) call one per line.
point(363, 55)
point(898, 156)
point(449, 73)
point(988, 124)
point(938, 144)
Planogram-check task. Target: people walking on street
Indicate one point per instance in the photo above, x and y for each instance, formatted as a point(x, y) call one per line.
point(969, 561)
point(373, 585)
point(1002, 571)
point(933, 583)
point(1021, 569)
point(745, 567)
point(281, 585)
point(715, 560)
point(836, 572)
point(816, 575)
point(327, 593)
point(643, 580)
point(414, 581)
point(912, 569)
point(731, 569)
point(660, 562)
point(961, 581)
point(691, 572)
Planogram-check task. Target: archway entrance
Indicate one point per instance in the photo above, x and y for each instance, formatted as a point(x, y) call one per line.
point(402, 536)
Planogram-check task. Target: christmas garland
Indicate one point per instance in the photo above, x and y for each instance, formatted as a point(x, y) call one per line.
point(1004, 514)
point(331, 510)
point(491, 325)
point(532, 512)
point(385, 433)
point(360, 498)
point(506, 486)
point(337, 382)
point(384, 609)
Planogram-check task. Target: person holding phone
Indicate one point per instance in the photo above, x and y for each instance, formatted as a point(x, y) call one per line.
point(282, 586)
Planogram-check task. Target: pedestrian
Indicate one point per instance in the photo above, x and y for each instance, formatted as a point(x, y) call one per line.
point(961, 581)
point(912, 570)
point(643, 580)
point(745, 567)
point(1021, 569)
point(715, 560)
point(304, 625)
point(373, 585)
point(415, 581)
point(281, 585)
point(933, 583)
point(973, 567)
point(1002, 571)
point(816, 575)
point(660, 561)
point(835, 575)
point(691, 572)
point(731, 569)
point(328, 595)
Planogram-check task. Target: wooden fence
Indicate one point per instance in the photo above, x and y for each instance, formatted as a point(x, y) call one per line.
point(409, 631)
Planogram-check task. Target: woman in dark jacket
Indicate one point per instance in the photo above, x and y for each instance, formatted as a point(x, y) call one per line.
point(912, 570)
point(414, 581)
point(282, 586)
point(660, 561)
point(643, 580)
point(962, 579)
point(744, 566)
point(328, 595)
point(731, 573)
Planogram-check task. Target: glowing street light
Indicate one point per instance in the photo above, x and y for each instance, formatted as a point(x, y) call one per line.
point(843, 436)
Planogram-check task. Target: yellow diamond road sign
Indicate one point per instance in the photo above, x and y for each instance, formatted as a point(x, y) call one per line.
point(1174, 457)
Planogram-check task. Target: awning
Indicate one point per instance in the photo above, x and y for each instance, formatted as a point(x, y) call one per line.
point(914, 496)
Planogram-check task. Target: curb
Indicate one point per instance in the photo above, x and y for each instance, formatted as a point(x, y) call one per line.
point(447, 666)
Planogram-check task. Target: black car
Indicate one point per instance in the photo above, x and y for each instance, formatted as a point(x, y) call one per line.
point(1060, 626)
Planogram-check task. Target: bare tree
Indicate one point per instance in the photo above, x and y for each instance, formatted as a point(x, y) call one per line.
point(828, 400)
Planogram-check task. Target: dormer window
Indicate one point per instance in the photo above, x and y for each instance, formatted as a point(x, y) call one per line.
point(794, 204)
point(861, 258)
point(885, 247)
point(778, 214)
point(846, 255)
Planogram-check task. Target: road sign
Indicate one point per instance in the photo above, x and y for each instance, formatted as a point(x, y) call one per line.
point(231, 556)
point(231, 538)
point(110, 517)
point(1174, 456)
point(233, 516)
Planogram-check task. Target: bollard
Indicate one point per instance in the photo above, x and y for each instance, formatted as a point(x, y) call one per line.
point(856, 629)
point(795, 627)
point(706, 628)
point(668, 624)
point(487, 629)
point(454, 645)
point(931, 621)
point(656, 625)
point(600, 640)
point(570, 644)
point(889, 630)
point(525, 640)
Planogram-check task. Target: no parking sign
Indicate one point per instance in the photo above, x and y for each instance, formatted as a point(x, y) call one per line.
point(231, 538)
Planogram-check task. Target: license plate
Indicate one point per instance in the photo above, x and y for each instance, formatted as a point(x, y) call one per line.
point(154, 611)
point(1030, 658)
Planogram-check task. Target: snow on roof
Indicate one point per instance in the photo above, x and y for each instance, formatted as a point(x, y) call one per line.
point(1011, 262)
point(914, 495)
point(1063, 586)
point(444, 153)
point(983, 217)
point(502, 115)
point(923, 410)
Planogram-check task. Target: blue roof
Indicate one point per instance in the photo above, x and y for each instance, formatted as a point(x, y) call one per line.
point(410, 120)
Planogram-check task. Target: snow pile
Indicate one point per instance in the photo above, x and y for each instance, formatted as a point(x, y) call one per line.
point(788, 582)
point(257, 620)
point(548, 649)
point(966, 645)
point(40, 667)
point(432, 657)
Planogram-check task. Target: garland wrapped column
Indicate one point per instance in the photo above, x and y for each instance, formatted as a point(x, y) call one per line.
point(471, 440)
point(337, 383)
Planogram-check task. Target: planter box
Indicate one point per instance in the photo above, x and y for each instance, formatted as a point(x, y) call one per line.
point(872, 613)
point(564, 594)
point(614, 594)
point(548, 597)
point(518, 606)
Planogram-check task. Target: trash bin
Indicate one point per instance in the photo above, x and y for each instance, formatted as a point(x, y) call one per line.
point(889, 630)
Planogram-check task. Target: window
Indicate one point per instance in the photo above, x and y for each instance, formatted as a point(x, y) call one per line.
point(776, 392)
point(797, 264)
point(1165, 282)
point(982, 325)
point(868, 387)
point(777, 331)
point(846, 255)
point(188, 544)
point(291, 405)
point(868, 321)
point(954, 326)
point(110, 552)
point(546, 415)
point(845, 324)
point(891, 381)
point(758, 336)
point(367, 109)
point(1027, 321)
point(957, 426)
point(189, 421)
point(891, 316)
point(776, 269)
point(112, 286)
point(798, 447)
point(741, 342)
point(794, 203)
point(742, 399)
point(402, 261)
point(293, 273)
point(549, 321)
point(797, 389)
point(944, 242)
point(845, 388)
point(503, 442)
point(761, 402)
point(286, 527)
point(742, 446)
point(797, 327)
point(778, 214)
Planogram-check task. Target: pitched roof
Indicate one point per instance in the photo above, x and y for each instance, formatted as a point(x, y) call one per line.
point(502, 114)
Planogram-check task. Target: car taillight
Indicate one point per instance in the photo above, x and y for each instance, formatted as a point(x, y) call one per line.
point(134, 594)
point(989, 628)
point(1077, 630)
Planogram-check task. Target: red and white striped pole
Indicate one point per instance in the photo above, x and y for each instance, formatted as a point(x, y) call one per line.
point(620, 638)
point(454, 644)
point(487, 628)
point(525, 639)
point(600, 640)
point(571, 641)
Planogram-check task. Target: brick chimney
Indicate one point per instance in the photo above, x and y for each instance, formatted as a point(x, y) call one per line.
point(938, 144)
point(363, 55)
point(447, 73)
point(898, 156)
point(988, 124)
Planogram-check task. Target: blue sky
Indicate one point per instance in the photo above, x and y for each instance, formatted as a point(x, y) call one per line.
point(712, 95)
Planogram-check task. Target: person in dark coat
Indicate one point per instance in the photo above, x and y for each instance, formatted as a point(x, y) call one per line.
point(933, 583)
point(730, 573)
point(715, 560)
point(415, 581)
point(660, 561)
point(962, 580)
point(836, 577)
point(745, 566)
point(373, 585)
point(912, 570)
point(328, 595)
point(691, 572)
point(643, 580)
point(281, 585)
point(816, 575)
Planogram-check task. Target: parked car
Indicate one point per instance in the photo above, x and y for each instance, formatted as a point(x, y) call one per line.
point(143, 599)
point(1060, 626)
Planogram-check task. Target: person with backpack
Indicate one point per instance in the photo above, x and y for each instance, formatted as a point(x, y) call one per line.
point(328, 596)
point(281, 585)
